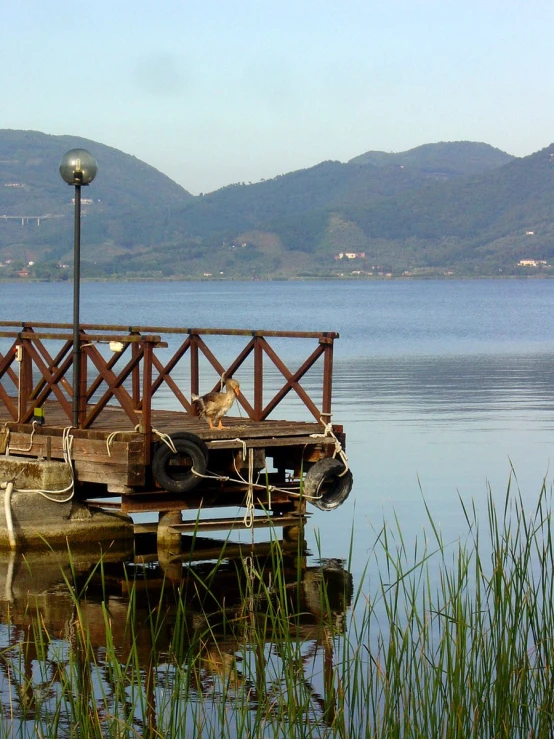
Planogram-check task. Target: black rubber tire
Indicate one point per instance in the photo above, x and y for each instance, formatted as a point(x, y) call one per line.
point(195, 440)
point(173, 472)
point(327, 473)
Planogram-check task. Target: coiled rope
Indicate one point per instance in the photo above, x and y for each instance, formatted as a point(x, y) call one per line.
point(67, 446)
point(9, 487)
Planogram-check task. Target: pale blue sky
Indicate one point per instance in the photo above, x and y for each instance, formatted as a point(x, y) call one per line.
point(212, 92)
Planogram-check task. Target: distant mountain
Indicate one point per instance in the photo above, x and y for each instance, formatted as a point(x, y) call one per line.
point(333, 184)
point(131, 201)
point(456, 208)
point(483, 224)
point(454, 158)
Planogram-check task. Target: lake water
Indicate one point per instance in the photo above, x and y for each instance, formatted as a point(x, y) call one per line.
point(445, 390)
point(441, 386)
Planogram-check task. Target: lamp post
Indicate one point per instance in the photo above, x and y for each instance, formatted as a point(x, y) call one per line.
point(78, 167)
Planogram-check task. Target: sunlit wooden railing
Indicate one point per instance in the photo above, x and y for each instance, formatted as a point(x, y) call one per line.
point(131, 377)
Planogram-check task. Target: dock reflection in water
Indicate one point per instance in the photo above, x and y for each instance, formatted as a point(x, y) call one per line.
point(160, 648)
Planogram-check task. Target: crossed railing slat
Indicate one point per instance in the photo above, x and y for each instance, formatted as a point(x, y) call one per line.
point(138, 371)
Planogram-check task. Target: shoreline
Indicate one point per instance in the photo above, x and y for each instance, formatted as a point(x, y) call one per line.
point(304, 278)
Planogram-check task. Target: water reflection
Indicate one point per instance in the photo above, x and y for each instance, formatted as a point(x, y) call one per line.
point(427, 430)
point(211, 631)
point(453, 386)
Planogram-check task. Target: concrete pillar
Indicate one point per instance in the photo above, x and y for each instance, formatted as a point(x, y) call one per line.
point(31, 518)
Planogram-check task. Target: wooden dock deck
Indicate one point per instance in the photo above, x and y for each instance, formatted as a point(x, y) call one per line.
point(120, 433)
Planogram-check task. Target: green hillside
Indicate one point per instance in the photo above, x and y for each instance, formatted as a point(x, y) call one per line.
point(334, 184)
point(131, 201)
point(448, 208)
point(486, 223)
point(402, 220)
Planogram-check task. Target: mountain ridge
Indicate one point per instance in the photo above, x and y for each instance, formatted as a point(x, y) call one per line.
point(450, 207)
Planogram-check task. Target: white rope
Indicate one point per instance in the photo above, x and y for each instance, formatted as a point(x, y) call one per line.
point(28, 449)
point(166, 438)
point(269, 488)
point(212, 476)
point(67, 446)
point(294, 491)
point(225, 441)
point(339, 451)
point(110, 438)
point(249, 515)
point(251, 575)
point(8, 513)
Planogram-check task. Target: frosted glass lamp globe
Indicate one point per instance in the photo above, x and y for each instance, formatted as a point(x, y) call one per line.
point(78, 167)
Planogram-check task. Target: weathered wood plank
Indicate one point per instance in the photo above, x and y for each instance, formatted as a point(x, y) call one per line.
point(174, 330)
point(86, 449)
point(260, 443)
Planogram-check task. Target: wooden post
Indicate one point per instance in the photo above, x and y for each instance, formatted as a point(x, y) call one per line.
point(194, 368)
point(327, 379)
point(258, 379)
point(146, 420)
point(82, 376)
point(135, 382)
point(25, 377)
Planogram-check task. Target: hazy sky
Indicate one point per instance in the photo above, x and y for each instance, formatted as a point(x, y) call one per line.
point(212, 92)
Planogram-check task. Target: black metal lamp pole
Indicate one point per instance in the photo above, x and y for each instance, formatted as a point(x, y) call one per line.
point(78, 167)
point(76, 306)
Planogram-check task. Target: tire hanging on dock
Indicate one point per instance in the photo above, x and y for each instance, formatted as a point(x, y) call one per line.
point(327, 473)
point(174, 471)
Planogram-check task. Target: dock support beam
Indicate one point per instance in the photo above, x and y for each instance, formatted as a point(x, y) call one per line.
point(169, 543)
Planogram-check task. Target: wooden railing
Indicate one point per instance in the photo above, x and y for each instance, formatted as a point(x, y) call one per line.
point(36, 374)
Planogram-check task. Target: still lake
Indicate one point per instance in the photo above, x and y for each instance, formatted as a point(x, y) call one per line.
point(442, 386)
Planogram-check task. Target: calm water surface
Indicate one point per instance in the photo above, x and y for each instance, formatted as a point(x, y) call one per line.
point(445, 390)
point(441, 386)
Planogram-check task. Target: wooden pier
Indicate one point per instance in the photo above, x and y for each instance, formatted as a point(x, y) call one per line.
point(127, 373)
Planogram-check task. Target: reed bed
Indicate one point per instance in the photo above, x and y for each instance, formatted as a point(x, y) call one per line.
point(437, 640)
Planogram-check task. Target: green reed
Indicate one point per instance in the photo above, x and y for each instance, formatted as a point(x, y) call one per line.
point(440, 640)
